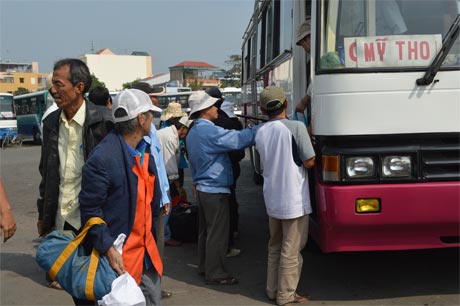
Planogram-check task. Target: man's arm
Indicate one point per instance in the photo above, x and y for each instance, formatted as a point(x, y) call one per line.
point(155, 149)
point(309, 163)
point(303, 104)
point(94, 190)
point(41, 186)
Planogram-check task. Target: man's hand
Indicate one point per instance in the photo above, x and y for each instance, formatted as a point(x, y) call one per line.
point(194, 190)
point(166, 209)
point(7, 224)
point(182, 193)
point(115, 260)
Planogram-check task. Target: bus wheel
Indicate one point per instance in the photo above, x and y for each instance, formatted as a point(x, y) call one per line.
point(5, 142)
point(37, 139)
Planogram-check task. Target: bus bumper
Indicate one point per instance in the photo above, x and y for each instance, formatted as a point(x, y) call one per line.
point(412, 216)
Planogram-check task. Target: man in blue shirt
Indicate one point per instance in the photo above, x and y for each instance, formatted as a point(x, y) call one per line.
point(208, 146)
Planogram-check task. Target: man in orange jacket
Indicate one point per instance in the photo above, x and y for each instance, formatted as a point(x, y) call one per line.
point(119, 185)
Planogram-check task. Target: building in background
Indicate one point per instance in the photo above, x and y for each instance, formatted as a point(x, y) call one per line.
point(161, 79)
point(15, 75)
point(200, 75)
point(115, 70)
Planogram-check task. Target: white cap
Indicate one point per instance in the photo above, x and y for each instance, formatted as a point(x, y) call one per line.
point(134, 102)
point(303, 30)
point(227, 107)
point(201, 100)
point(184, 120)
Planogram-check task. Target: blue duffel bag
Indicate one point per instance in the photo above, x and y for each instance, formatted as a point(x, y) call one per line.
point(63, 257)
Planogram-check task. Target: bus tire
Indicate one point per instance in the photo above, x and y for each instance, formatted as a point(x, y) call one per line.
point(37, 139)
point(5, 142)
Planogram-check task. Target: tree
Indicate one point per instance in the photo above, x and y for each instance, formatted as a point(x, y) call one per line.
point(230, 83)
point(128, 85)
point(233, 75)
point(234, 61)
point(96, 82)
point(196, 85)
point(21, 91)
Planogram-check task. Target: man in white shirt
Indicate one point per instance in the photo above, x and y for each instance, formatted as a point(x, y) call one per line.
point(169, 140)
point(285, 152)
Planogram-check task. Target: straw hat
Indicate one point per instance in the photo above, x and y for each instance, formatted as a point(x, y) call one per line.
point(172, 111)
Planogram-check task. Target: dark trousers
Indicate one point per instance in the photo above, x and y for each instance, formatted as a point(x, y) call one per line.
point(234, 216)
point(213, 215)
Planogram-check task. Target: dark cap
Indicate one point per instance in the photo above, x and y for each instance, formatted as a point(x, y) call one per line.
point(214, 92)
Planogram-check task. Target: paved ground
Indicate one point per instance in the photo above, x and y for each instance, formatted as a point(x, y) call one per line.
point(372, 278)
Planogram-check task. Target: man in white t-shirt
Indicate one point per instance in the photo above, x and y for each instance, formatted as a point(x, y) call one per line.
point(285, 152)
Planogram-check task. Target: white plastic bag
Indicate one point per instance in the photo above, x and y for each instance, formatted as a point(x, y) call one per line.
point(125, 292)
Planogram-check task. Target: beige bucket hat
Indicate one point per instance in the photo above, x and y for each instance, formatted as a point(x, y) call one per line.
point(173, 110)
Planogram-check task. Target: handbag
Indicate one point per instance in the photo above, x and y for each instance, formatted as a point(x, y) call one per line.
point(63, 257)
point(302, 118)
point(183, 222)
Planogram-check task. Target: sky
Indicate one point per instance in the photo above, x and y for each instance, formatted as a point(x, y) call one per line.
point(170, 31)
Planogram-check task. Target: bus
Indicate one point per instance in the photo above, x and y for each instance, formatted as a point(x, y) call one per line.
point(385, 114)
point(8, 125)
point(29, 110)
point(178, 97)
point(233, 95)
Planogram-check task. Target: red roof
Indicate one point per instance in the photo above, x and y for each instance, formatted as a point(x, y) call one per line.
point(194, 64)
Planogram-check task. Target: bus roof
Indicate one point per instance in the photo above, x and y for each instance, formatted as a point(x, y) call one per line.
point(32, 94)
point(183, 93)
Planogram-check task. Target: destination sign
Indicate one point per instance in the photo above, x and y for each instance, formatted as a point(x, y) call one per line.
point(391, 51)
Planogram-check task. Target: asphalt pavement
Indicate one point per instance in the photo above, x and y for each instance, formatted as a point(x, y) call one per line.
point(429, 277)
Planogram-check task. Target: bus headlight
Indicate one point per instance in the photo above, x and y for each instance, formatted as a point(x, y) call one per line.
point(396, 166)
point(360, 167)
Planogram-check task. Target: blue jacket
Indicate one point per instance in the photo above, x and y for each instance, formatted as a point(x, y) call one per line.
point(109, 191)
point(155, 149)
point(207, 147)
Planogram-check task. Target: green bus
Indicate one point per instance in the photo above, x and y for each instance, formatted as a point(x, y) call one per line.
point(29, 109)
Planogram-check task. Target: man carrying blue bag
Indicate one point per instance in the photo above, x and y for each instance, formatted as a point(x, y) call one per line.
point(119, 185)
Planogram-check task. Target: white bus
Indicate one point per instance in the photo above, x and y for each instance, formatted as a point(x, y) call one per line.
point(385, 114)
point(235, 96)
point(8, 123)
point(178, 97)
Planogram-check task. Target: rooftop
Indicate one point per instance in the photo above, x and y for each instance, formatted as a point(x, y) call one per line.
point(192, 64)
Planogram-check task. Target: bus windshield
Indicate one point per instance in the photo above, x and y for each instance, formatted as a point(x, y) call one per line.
point(6, 106)
point(179, 97)
point(385, 34)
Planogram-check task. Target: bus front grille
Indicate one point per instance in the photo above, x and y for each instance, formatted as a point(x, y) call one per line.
point(441, 163)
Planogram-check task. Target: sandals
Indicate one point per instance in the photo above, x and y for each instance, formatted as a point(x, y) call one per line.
point(298, 299)
point(54, 285)
point(222, 281)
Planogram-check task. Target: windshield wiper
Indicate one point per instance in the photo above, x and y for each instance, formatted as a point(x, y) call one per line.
point(447, 44)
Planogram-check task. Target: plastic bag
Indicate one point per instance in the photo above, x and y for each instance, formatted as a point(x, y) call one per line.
point(125, 292)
